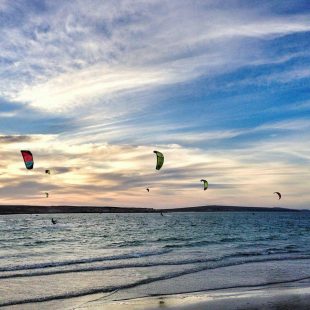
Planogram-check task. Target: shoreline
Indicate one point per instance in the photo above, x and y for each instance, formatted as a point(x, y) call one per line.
point(289, 295)
point(266, 297)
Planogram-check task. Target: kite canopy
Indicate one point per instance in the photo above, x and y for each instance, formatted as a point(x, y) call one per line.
point(148, 189)
point(160, 159)
point(48, 171)
point(279, 195)
point(28, 159)
point(205, 184)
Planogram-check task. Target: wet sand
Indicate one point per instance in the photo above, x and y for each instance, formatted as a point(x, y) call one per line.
point(288, 296)
point(292, 294)
point(254, 298)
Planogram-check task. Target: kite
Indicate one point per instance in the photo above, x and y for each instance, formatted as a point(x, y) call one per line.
point(279, 195)
point(48, 171)
point(205, 184)
point(160, 160)
point(148, 189)
point(28, 159)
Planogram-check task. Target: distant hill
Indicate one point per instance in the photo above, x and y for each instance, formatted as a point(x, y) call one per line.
point(24, 209)
point(216, 208)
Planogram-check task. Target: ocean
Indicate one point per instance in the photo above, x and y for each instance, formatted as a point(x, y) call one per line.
point(133, 255)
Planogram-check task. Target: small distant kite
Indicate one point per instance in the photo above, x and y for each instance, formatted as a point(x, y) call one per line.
point(47, 194)
point(48, 171)
point(279, 195)
point(28, 159)
point(148, 189)
point(54, 221)
point(205, 184)
point(160, 160)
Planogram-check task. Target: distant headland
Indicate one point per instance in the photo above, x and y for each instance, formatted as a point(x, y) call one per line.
point(26, 209)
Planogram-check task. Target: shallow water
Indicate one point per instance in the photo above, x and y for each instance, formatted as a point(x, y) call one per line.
point(90, 253)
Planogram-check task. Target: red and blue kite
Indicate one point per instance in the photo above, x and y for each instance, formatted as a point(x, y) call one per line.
point(28, 159)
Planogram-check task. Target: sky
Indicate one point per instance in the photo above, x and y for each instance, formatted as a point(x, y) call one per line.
point(93, 87)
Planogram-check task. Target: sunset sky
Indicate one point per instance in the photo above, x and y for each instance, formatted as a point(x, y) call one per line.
point(92, 88)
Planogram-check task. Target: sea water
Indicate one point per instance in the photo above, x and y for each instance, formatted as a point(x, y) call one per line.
point(100, 253)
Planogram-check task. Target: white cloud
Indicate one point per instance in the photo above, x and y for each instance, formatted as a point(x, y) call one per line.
point(72, 90)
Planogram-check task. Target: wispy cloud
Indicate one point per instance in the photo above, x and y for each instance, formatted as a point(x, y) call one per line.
point(72, 59)
point(14, 139)
point(70, 91)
